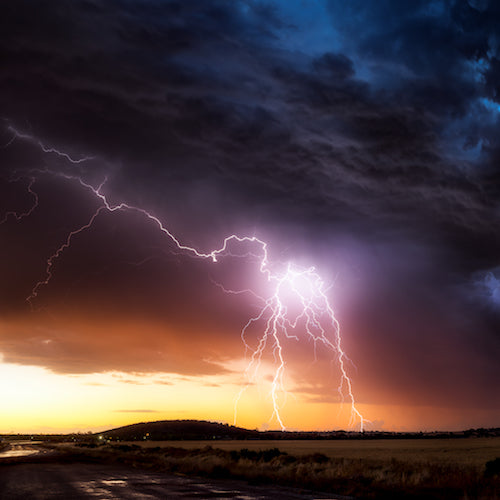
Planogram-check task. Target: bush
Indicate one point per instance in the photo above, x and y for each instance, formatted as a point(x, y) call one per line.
point(492, 468)
point(318, 458)
point(268, 455)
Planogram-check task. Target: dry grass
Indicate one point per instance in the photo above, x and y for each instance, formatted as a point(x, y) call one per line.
point(466, 451)
point(438, 469)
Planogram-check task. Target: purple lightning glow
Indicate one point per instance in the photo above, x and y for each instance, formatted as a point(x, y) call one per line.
point(279, 317)
point(317, 319)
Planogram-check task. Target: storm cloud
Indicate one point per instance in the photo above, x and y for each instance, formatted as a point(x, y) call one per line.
point(364, 143)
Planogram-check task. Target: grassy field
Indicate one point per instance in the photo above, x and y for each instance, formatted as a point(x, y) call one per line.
point(466, 451)
point(388, 469)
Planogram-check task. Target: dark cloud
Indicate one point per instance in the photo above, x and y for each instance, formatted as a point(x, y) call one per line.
point(76, 345)
point(201, 113)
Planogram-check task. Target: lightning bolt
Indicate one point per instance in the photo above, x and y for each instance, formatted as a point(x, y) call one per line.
point(315, 318)
point(22, 215)
point(277, 319)
point(16, 134)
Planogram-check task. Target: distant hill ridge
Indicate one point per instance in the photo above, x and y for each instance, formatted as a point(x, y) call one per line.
point(174, 430)
point(168, 430)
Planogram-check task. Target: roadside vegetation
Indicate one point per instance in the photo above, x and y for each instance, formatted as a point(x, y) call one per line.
point(471, 451)
point(413, 477)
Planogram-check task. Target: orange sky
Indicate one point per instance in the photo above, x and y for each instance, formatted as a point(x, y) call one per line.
point(61, 384)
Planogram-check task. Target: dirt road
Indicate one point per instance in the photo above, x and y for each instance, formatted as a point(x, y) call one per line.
point(45, 478)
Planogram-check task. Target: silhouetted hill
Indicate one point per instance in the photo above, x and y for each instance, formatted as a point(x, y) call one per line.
point(167, 430)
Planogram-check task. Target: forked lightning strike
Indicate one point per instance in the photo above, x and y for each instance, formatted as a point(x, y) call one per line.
point(318, 321)
point(22, 215)
point(279, 315)
point(29, 138)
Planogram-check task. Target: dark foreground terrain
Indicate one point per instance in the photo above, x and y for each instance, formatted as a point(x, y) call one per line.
point(51, 474)
point(129, 471)
point(77, 481)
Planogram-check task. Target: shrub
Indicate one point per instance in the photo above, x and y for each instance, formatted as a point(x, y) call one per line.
point(318, 458)
point(268, 455)
point(492, 468)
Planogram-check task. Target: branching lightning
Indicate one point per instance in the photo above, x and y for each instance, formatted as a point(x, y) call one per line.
point(316, 319)
point(16, 134)
point(18, 216)
point(297, 307)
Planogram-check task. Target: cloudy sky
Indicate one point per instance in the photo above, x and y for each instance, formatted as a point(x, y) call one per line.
point(357, 137)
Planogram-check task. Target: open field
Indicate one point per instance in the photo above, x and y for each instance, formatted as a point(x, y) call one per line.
point(411, 469)
point(467, 451)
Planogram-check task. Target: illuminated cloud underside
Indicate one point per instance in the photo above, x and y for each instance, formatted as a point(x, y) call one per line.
point(314, 318)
